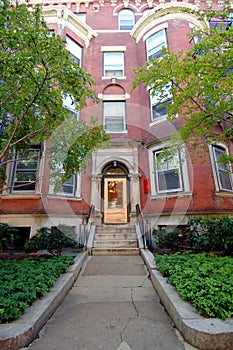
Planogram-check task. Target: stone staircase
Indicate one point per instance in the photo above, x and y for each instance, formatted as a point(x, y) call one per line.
point(115, 240)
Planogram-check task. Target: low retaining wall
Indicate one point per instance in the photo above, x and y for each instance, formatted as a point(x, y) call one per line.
point(21, 332)
point(203, 333)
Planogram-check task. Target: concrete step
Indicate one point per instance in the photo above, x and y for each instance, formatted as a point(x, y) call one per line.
point(115, 251)
point(115, 243)
point(115, 229)
point(115, 236)
point(115, 240)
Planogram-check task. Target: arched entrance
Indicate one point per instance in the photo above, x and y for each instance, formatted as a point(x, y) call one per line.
point(115, 193)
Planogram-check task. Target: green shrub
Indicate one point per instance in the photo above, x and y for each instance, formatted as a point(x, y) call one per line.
point(51, 239)
point(206, 281)
point(7, 233)
point(24, 281)
point(167, 238)
point(211, 234)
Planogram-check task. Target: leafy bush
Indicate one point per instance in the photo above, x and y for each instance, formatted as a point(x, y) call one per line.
point(53, 238)
point(24, 281)
point(7, 233)
point(211, 234)
point(167, 239)
point(206, 281)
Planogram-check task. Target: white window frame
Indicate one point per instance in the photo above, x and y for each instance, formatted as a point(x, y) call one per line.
point(160, 99)
point(164, 166)
point(68, 184)
point(76, 191)
point(70, 105)
point(116, 69)
point(219, 168)
point(117, 117)
point(75, 50)
point(126, 20)
point(183, 173)
point(155, 43)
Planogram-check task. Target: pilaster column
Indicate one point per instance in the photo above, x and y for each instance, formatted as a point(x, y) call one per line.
point(134, 190)
point(96, 190)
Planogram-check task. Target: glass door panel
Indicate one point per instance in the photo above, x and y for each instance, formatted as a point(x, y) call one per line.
point(115, 200)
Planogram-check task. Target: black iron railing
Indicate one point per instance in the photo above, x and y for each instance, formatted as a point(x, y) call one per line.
point(145, 228)
point(84, 229)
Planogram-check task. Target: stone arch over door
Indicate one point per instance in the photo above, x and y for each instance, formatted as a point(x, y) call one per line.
point(125, 154)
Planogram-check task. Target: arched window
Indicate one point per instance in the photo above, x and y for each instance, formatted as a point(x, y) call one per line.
point(126, 20)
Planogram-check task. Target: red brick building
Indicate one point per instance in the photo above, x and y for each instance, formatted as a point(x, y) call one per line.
point(109, 38)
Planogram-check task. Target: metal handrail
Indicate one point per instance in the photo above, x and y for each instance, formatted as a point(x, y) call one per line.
point(85, 227)
point(145, 228)
point(91, 211)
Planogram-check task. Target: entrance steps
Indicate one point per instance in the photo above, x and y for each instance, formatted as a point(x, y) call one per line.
point(115, 240)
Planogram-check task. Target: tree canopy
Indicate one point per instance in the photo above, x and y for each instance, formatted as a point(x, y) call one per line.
point(201, 82)
point(36, 73)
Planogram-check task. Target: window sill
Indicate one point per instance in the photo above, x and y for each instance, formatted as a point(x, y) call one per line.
point(117, 78)
point(170, 195)
point(159, 120)
point(64, 198)
point(117, 132)
point(14, 195)
point(224, 193)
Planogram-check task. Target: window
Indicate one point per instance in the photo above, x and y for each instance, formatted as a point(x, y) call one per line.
point(224, 176)
point(126, 20)
point(113, 64)
point(24, 172)
point(160, 101)
point(81, 16)
point(168, 172)
point(70, 105)
point(220, 24)
point(68, 188)
point(155, 43)
point(196, 38)
point(75, 50)
point(114, 116)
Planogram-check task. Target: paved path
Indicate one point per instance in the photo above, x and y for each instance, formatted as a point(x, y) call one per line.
point(112, 306)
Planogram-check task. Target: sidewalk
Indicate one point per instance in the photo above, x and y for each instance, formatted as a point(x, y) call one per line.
point(112, 306)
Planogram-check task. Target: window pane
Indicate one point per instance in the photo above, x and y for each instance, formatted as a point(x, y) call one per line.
point(225, 180)
point(70, 105)
point(113, 64)
point(126, 20)
point(160, 101)
point(114, 116)
point(222, 169)
point(155, 43)
point(26, 171)
point(114, 123)
point(160, 110)
point(28, 176)
point(168, 180)
point(168, 173)
point(68, 187)
point(75, 50)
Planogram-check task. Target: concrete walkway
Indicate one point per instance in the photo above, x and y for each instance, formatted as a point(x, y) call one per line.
point(112, 306)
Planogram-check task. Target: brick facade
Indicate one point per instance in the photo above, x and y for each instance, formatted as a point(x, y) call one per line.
point(134, 147)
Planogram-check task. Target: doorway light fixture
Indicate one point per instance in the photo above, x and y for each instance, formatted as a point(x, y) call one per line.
point(114, 163)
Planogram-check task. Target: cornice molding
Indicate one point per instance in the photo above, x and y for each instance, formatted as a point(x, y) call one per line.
point(65, 18)
point(165, 12)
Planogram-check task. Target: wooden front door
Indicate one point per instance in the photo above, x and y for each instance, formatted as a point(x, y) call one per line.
point(115, 200)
